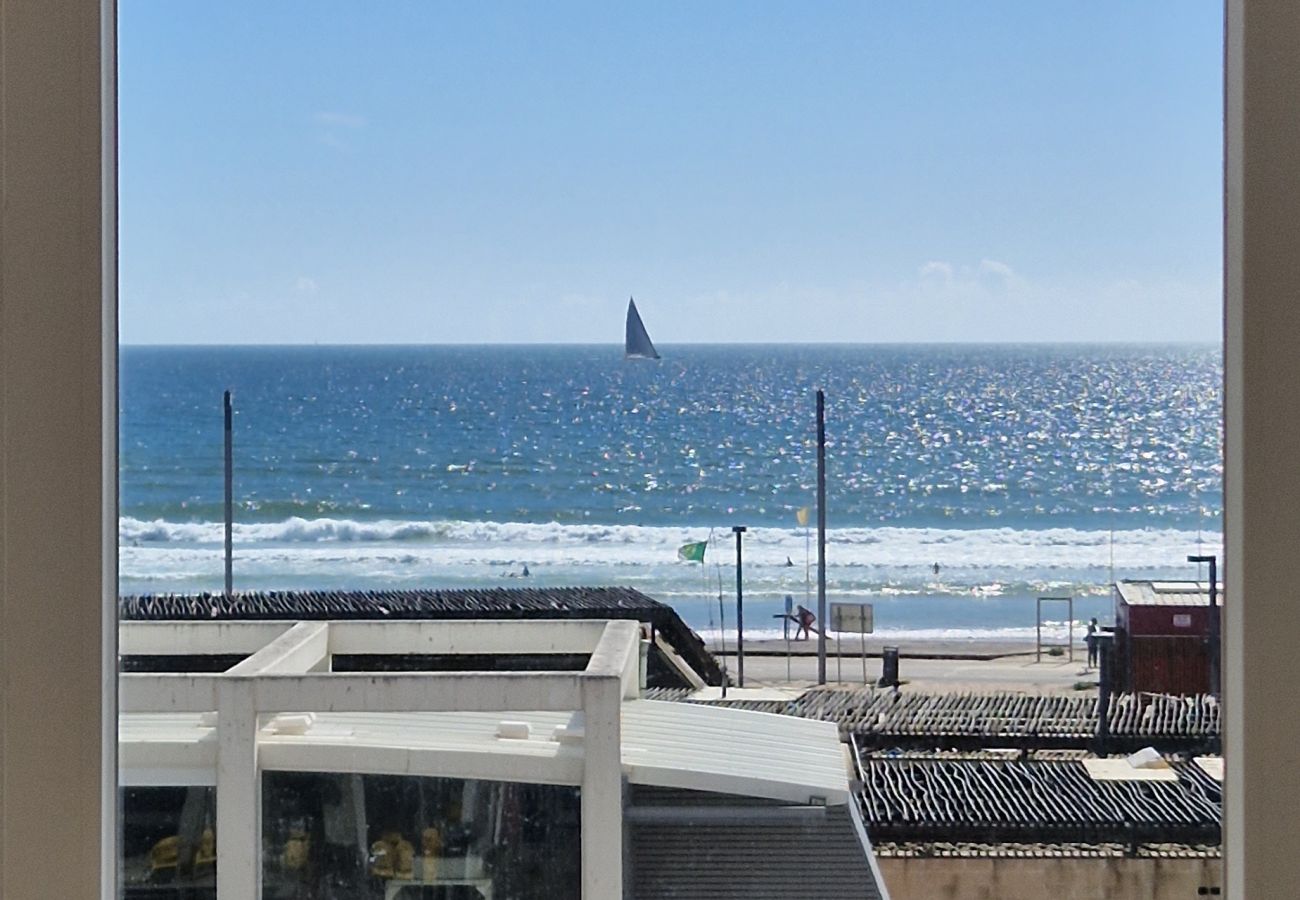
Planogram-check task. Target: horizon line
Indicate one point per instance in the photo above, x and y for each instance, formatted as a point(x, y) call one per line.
point(619, 344)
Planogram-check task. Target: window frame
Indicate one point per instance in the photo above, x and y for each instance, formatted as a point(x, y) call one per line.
point(58, 448)
point(58, 503)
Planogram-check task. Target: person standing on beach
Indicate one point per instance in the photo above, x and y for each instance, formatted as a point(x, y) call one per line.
point(1091, 641)
point(804, 620)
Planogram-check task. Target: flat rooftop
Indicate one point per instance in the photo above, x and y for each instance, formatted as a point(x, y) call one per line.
point(668, 745)
point(497, 725)
point(885, 718)
point(1167, 593)
point(679, 655)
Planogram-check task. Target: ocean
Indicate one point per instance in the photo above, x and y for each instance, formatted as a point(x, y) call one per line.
point(1020, 471)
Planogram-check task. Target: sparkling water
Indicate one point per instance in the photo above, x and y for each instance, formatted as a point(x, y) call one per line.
point(1018, 470)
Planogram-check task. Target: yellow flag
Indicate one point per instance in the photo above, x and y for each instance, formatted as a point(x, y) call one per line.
point(801, 514)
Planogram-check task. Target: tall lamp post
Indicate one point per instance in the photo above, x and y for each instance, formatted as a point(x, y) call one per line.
point(228, 498)
point(1214, 618)
point(821, 536)
point(740, 611)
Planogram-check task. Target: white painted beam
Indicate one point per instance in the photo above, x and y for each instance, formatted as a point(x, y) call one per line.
point(239, 798)
point(169, 693)
point(602, 785)
point(196, 638)
point(368, 692)
point(683, 668)
point(151, 762)
point(618, 655)
point(418, 692)
point(488, 636)
point(317, 754)
point(299, 650)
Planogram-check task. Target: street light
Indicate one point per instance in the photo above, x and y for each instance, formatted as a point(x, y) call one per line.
point(740, 612)
point(1214, 618)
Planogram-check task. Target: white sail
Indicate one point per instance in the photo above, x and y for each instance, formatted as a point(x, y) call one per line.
point(638, 344)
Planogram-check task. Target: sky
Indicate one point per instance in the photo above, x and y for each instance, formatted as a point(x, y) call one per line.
point(328, 172)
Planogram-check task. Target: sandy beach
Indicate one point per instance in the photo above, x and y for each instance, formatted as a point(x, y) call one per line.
point(956, 666)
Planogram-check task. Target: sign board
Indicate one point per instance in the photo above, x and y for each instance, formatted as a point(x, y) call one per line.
point(852, 618)
point(1182, 620)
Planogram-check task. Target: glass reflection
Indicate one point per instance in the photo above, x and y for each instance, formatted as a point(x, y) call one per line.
point(410, 838)
point(169, 843)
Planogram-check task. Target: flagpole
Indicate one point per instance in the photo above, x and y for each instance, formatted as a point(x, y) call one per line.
point(722, 613)
point(722, 627)
point(704, 570)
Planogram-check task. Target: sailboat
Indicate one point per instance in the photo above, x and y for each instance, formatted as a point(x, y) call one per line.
point(638, 344)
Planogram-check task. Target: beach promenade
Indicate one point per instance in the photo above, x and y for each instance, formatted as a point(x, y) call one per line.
point(933, 666)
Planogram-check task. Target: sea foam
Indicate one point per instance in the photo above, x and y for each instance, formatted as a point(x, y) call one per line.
point(641, 545)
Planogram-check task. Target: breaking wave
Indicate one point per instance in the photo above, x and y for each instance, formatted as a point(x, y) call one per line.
point(975, 548)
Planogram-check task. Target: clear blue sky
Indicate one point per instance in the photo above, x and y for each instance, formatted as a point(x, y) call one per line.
point(298, 172)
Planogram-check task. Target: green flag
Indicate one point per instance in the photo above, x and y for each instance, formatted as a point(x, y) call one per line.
point(692, 552)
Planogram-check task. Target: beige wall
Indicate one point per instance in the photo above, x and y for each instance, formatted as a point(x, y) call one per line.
point(1262, 478)
point(1058, 879)
point(56, 480)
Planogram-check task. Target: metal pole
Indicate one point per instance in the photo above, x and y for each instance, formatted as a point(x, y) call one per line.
point(740, 610)
point(789, 611)
point(722, 630)
point(1071, 617)
point(821, 536)
point(230, 498)
point(1038, 632)
point(1214, 626)
point(1103, 692)
point(807, 564)
point(1214, 618)
point(839, 658)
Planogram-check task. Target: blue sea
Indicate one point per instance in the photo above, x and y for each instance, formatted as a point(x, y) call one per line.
point(1019, 470)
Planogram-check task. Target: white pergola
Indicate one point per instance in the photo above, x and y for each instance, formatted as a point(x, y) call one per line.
point(288, 671)
point(282, 708)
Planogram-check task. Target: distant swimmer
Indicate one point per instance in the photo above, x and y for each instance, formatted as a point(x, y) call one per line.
point(789, 563)
point(936, 570)
point(525, 572)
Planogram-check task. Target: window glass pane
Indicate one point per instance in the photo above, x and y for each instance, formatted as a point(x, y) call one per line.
point(384, 387)
point(410, 837)
point(169, 842)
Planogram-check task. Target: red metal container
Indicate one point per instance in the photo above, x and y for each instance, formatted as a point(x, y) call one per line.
point(1164, 630)
point(1168, 665)
point(1166, 621)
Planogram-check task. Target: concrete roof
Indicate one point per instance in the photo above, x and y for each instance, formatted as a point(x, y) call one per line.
point(733, 751)
point(166, 749)
point(285, 707)
point(664, 744)
point(1167, 593)
point(673, 637)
